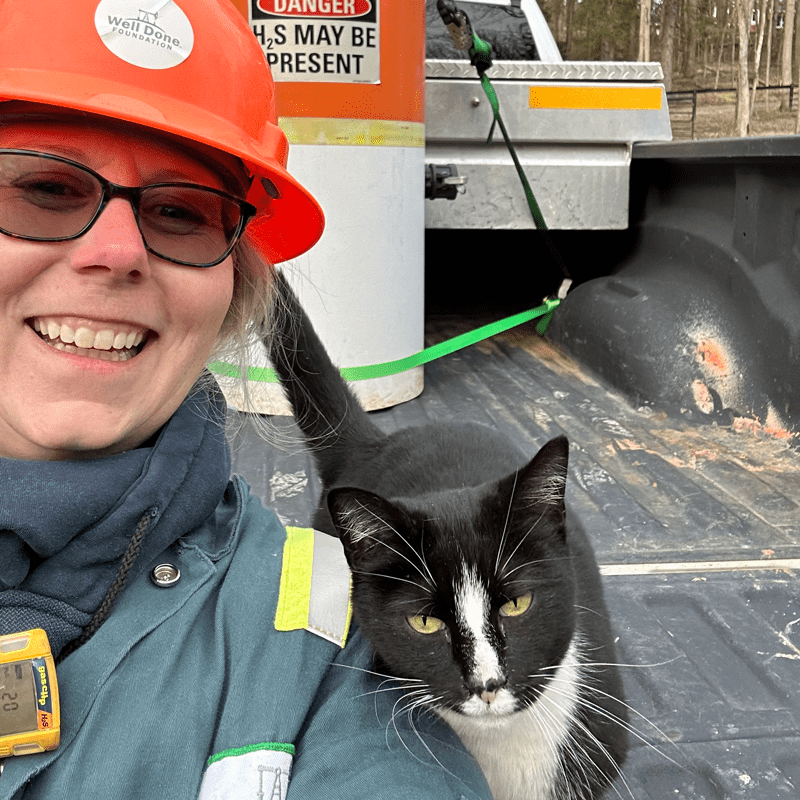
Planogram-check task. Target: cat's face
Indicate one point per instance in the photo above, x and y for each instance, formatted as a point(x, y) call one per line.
point(471, 593)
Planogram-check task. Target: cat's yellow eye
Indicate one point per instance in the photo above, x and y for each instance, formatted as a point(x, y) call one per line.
point(517, 606)
point(422, 623)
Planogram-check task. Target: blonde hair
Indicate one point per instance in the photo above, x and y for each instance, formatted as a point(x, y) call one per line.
point(250, 311)
point(248, 324)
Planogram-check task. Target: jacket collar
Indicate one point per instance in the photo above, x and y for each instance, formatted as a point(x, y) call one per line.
point(66, 524)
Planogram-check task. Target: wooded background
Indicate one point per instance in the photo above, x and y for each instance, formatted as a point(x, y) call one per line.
point(700, 43)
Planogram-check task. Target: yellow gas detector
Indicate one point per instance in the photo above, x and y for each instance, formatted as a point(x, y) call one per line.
point(29, 710)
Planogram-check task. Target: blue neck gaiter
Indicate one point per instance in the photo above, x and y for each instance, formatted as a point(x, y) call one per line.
point(64, 525)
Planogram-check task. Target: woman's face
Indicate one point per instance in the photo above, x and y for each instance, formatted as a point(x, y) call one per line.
point(62, 401)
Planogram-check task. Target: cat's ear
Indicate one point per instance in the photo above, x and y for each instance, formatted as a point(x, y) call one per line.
point(543, 482)
point(368, 525)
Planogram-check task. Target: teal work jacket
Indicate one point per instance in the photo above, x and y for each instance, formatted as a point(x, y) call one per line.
point(190, 691)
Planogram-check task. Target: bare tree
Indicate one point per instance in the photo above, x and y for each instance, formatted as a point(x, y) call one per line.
point(645, 8)
point(744, 11)
point(786, 50)
point(670, 11)
point(797, 118)
point(723, 32)
point(768, 76)
point(690, 28)
point(762, 24)
point(796, 56)
point(570, 12)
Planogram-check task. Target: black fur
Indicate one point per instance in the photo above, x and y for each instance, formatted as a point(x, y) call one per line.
point(424, 511)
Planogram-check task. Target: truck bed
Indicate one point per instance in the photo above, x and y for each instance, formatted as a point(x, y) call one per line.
point(696, 528)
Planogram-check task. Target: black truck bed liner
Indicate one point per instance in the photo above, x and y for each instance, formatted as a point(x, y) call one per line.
point(696, 528)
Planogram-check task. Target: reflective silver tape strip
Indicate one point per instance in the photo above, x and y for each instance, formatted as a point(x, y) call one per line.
point(329, 609)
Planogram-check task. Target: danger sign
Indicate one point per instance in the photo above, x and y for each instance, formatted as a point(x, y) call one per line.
point(332, 41)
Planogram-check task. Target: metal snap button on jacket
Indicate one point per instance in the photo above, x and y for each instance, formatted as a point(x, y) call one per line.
point(165, 575)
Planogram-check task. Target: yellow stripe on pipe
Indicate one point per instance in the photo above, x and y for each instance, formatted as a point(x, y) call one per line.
point(369, 132)
point(621, 98)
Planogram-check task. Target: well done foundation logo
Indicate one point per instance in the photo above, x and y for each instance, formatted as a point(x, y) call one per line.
point(153, 34)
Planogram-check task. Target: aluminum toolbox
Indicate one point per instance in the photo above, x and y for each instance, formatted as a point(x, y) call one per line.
point(573, 125)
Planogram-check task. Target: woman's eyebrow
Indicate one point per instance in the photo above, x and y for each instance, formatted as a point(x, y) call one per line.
point(203, 176)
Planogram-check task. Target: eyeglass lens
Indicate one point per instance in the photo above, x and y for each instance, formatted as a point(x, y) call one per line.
point(47, 198)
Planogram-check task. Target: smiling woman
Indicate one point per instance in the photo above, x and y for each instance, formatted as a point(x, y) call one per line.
point(144, 197)
point(97, 276)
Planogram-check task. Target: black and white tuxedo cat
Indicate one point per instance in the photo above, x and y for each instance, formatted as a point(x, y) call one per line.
point(470, 579)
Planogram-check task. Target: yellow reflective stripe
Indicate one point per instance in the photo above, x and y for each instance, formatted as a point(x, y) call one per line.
point(596, 97)
point(372, 132)
point(295, 587)
point(349, 619)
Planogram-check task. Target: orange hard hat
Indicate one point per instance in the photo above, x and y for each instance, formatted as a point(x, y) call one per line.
point(189, 68)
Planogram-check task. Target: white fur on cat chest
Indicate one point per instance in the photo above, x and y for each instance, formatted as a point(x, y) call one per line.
point(520, 753)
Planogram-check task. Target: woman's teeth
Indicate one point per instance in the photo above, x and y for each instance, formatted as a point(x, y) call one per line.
point(105, 344)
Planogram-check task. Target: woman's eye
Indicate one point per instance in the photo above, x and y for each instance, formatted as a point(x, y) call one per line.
point(54, 192)
point(178, 214)
point(49, 187)
point(517, 606)
point(422, 623)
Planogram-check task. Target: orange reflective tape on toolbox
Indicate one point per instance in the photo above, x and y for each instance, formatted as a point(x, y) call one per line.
point(593, 97)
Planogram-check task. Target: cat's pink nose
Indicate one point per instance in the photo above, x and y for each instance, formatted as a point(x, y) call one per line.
point(488, 692)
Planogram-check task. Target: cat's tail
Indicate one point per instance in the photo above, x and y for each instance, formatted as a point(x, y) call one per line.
point(327, 412)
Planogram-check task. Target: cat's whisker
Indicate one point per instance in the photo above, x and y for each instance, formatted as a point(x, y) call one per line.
point(519, 544)
point(587, 759)
point(590, 610)
point(414, 602)
point(420, 698)
point(425, 703)
point(375, 674)
point(392, 578)
point(577, 722)
point(427, 574)
point(575, 748)
point(381, 690)
point(585, 702)
point(591, 664)
point(505, 524)
point(531, 563)
point(412, 701)
point(547, 722)
point(428, 579)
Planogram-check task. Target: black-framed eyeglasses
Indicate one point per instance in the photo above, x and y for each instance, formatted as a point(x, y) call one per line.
point(47, 198)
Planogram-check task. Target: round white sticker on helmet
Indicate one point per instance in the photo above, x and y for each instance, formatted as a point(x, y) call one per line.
point(153, 34)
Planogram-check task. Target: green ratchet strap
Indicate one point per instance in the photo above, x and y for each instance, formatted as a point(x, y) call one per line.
point(481, 58)
point(544, 312)
point(536, 212)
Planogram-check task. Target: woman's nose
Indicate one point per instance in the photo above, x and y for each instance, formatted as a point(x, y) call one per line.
point(114, 243)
